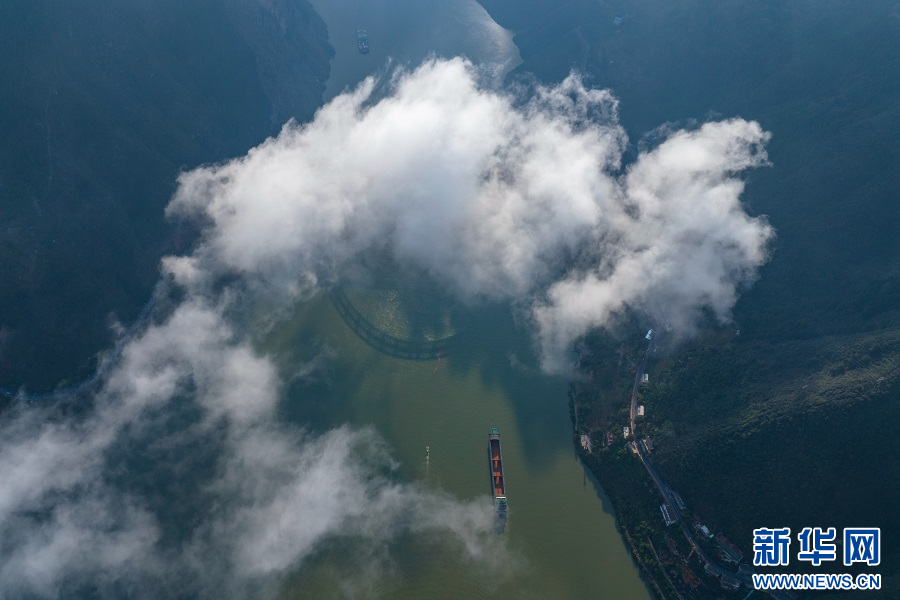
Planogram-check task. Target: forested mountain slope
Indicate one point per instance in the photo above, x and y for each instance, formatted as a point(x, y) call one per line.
point(102, 103)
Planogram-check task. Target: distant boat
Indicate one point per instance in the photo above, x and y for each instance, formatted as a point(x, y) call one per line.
point(362, 41)
point(498, 485)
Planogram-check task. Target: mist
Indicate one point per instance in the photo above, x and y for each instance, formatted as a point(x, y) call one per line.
point(497, 196)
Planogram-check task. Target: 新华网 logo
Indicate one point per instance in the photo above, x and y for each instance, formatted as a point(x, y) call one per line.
point(817, 545)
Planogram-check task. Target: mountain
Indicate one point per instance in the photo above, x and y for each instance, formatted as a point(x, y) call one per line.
point(103, 103)
point(783, 416)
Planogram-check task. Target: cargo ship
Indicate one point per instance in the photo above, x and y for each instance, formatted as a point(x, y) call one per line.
point(362, 41)
point(498, 485)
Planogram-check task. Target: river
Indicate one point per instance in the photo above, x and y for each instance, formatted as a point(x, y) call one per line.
point(405, 32)
point(561, 535)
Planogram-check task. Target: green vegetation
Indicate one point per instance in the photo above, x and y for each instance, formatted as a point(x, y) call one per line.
point(636, 502)
point(790, 433)
point(601, 396)
point(103, 103)
point(823, 77)
point(791, 422)
point(750, 435)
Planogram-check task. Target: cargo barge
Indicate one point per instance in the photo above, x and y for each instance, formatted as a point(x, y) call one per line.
point(498, 484)
point(362, 41)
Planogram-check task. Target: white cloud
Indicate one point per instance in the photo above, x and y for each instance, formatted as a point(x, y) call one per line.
point(73, 514)
point(494, 196)
point(683, 244)
point(485, 196)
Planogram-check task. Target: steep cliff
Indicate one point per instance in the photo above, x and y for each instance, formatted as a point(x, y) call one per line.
point(102, 104)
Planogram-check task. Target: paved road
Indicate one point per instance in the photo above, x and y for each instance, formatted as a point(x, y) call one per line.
point(660, 484)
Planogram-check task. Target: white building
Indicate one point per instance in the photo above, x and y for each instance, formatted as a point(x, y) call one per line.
point(586, 442)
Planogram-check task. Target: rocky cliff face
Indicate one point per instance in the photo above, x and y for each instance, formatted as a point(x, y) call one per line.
point(288, 41)
point(102, 104)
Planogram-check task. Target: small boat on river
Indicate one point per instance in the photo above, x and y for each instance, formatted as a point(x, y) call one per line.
point(362, 41)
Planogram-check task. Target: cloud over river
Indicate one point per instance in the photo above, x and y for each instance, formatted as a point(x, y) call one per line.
point(497, 197)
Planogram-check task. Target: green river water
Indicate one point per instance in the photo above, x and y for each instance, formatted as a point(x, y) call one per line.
point(561, 540)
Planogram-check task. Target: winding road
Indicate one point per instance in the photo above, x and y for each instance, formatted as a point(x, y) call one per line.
point(660, 484)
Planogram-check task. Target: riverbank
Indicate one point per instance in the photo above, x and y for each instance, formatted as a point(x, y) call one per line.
point(560, 543)
point(654, 521)
point(623, 485)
